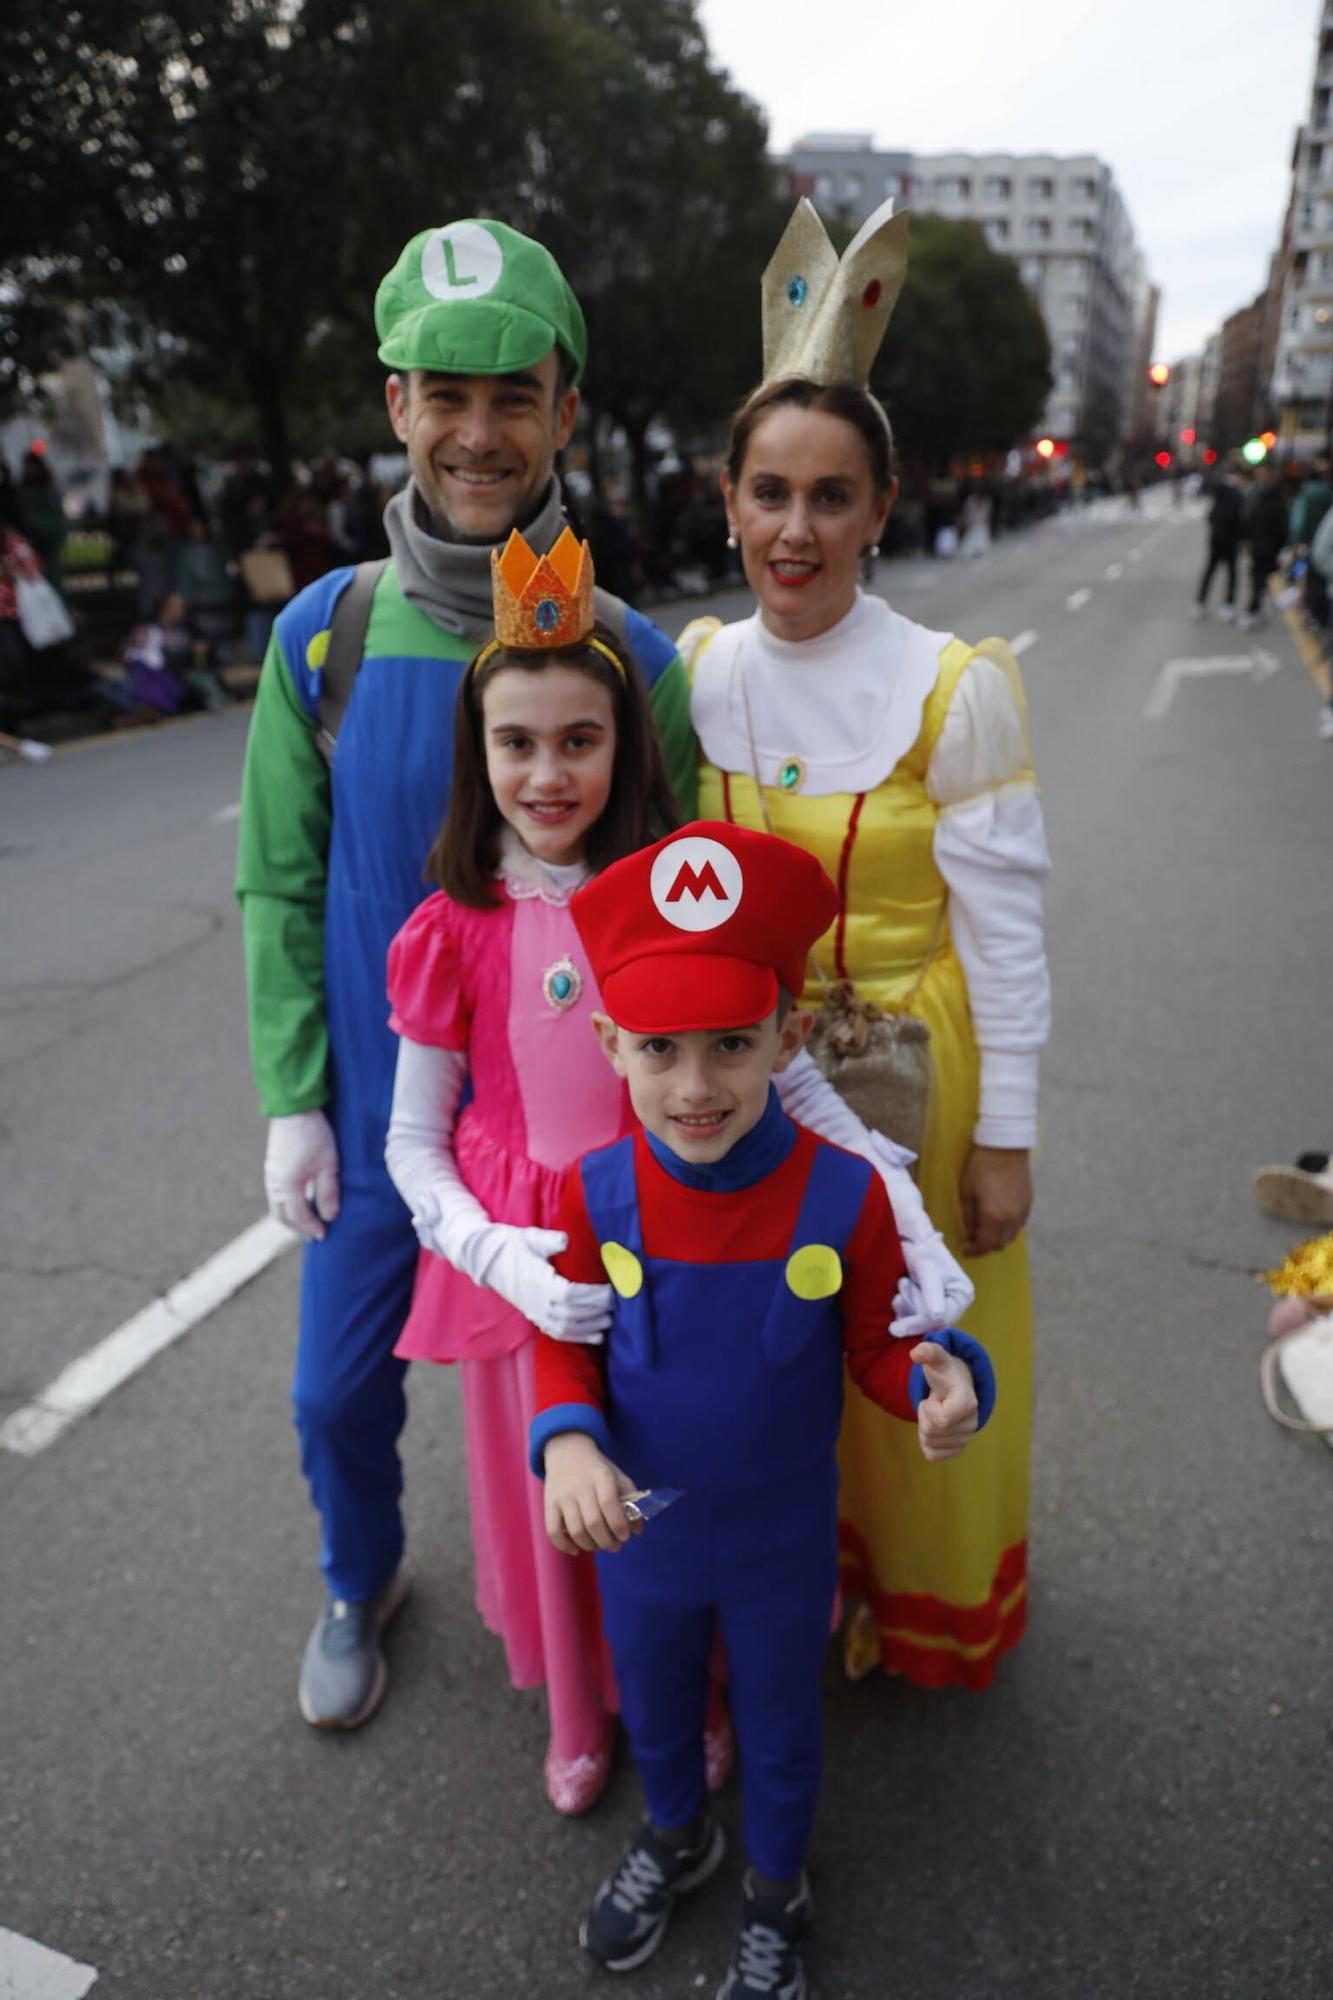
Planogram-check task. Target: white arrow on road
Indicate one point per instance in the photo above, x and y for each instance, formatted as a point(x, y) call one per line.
point(1258, 665)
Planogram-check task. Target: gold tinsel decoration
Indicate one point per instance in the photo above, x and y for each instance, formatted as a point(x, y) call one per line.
point(1306, 1273)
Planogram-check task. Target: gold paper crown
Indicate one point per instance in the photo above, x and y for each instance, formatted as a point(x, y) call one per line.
point(542, 603)
point(825, 315)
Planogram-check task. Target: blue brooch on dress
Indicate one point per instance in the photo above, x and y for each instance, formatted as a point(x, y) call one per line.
point(562, 984)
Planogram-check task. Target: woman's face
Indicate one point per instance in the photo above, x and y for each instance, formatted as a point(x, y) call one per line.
point(803, 510)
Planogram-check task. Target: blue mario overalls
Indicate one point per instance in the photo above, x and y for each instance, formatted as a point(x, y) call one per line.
point(726, 1380)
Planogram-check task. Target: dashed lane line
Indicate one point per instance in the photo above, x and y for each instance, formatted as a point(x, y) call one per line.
point(30, 1971)
point(104, 1368)
point(1114, 570)
point(1023, 642)
point(1077, 599)
point(233, 811)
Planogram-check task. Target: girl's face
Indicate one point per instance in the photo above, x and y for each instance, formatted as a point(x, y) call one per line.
point(550, 740)
point(803, 510)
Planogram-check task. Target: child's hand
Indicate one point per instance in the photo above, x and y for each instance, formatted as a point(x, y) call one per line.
point(946, 1419)
point(583, 1495)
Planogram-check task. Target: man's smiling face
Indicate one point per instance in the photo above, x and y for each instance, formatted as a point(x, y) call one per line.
point(482, 447)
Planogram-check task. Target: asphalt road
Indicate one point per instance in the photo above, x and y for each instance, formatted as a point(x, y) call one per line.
point(1141, 1804)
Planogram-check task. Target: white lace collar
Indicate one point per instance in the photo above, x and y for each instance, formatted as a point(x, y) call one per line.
point(523, 876)
point(835, 713)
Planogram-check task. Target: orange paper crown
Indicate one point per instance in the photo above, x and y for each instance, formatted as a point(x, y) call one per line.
point(542, 603)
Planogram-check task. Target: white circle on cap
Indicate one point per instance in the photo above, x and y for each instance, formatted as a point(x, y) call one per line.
point(461, 261)
point(696, 883)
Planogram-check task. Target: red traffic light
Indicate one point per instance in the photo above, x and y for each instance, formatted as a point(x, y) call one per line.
point(1210, 458)
point(1188, 437)
point(1163, 459)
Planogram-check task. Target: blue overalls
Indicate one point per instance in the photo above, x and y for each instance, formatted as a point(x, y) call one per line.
point(723, 1381)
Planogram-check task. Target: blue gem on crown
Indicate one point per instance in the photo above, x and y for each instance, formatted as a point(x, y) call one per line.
point(547, 615)
point(796, 290)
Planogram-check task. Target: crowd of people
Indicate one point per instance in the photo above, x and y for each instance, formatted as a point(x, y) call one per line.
point(1280, 516)
point(590, 1135)
point(210, 571)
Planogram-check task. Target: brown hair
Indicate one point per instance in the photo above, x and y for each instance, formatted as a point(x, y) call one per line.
point(856, 407)
point(638, 810)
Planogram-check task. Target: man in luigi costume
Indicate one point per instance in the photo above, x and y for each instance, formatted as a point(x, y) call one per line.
point(485, 344)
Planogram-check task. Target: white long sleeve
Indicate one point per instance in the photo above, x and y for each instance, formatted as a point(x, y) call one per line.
point(990, 847)
point(936, 1290)
point(428, 1086)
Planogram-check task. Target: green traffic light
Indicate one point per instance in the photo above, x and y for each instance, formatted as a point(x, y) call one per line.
point(1254, 451)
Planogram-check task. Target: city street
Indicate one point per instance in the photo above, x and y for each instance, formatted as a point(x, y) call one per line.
point(1140, 1806)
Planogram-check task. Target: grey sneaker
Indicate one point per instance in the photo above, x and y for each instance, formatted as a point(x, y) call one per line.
point(629, 1914)
point(343, 1675)
point(767, 1964)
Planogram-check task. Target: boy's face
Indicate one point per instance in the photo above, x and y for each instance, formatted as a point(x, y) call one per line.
point(700, 1092)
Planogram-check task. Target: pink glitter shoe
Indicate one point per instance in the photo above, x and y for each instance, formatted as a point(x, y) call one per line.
point(573, 1784)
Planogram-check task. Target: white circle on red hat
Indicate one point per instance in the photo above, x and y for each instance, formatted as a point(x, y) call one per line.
point(696, 883)
point(461, 261)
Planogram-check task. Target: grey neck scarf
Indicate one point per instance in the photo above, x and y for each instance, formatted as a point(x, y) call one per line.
point(451, 581)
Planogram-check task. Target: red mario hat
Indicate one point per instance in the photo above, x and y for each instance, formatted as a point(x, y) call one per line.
point(700, 930)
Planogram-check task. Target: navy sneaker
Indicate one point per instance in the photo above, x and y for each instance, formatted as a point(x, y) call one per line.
point(628, 1916)
point(767, 1964)
point(343, 1675)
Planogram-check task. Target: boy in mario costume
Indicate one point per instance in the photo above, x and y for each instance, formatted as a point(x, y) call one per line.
point(750, 1261)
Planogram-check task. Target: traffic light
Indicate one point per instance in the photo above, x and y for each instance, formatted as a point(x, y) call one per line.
point(1045, 447)
point(1268, 439)
point(1159, 374)
point(1187, 437)
point(1209, 456)
point(1163, 459)
point(1254, 451)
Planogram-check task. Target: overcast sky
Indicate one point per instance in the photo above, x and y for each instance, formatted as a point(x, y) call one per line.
point(1193, 104)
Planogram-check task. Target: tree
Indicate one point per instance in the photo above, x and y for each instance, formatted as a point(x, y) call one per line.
point(660, 201)
point(965, 365)
point(229, 179)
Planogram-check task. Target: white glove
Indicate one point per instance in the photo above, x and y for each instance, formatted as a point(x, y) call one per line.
point(514, 1263)
point(936, 1291)
point(451, 1222)
point(301, 1161)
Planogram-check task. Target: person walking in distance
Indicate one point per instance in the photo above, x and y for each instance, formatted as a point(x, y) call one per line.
point(1226, 520)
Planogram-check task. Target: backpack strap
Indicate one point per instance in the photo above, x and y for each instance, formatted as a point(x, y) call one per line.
point(342, 661)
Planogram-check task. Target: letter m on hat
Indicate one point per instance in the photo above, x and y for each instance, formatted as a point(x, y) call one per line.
point(696, 882)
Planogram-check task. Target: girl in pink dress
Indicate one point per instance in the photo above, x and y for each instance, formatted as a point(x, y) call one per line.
point(556, 773)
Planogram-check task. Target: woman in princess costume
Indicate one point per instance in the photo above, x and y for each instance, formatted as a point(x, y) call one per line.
point(900, 758)
point(556, 775)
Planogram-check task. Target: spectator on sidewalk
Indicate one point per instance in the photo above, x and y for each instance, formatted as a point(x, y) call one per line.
point(42, 516)
point(205, 585)
point(1226, 521)
point(1266, 533)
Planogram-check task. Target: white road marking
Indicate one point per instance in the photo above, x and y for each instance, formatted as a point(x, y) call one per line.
point(232, 811)
point(1113, 571)
point(1022, 642)
point(1258, 665)
point(29, 1971)
point(1136, 555)
point(1077, 599)
point(104, 1368)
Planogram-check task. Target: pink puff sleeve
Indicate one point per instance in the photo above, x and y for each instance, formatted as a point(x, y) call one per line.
point(426, 997)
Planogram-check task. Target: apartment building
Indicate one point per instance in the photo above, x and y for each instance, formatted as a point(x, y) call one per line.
point(1064, 222)
point(1302, 350)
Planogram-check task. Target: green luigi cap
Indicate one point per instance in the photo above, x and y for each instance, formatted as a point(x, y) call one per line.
point(477, 298)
